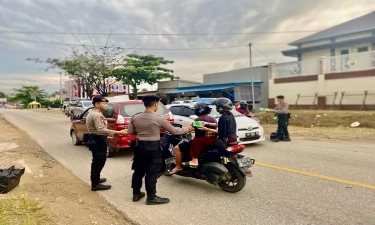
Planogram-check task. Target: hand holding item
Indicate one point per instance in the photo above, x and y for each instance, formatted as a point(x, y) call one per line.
point(202, 128)
point(190, 128)
point(122, 132)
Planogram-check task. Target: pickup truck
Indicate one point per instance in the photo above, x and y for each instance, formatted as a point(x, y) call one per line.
point(78, 108)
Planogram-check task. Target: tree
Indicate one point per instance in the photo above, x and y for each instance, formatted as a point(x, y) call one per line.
point(24, 94)
point(3, 95)
point(90, 71)
point(144, 89)
point(138, 69)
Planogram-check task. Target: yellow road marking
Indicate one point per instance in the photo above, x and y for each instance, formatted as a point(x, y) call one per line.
point(368, 186)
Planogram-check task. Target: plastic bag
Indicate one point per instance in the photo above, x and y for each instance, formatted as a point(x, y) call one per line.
point(10, 178)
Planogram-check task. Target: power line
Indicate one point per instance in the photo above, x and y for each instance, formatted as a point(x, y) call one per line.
point(232, 60)
point(137, 49)
point(157, 34)
point(261, 53)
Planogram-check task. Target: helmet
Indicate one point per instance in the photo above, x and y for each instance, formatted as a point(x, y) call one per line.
point(222, 104)
point(243, 105)
point(202, 108)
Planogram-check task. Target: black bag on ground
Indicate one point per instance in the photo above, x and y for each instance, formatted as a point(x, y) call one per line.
point(10, 178)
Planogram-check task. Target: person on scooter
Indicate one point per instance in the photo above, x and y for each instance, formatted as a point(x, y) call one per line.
point(244, 110)
point(202, 138)
point(227, 126)
point(236, 105)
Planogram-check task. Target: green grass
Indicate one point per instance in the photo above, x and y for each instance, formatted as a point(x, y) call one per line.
point(21, 211)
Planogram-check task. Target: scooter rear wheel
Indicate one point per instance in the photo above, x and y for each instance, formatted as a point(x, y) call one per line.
point(237, 182)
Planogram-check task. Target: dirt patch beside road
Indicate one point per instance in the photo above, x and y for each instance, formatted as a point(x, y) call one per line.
point(48, 192)
point(364, 135)
point(324, 118)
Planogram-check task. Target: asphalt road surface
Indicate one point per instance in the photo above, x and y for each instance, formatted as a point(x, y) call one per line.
point(298, 182)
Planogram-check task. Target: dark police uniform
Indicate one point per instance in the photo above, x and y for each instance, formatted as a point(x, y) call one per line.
point(148, 155)
point(282, 110)
point(97, 128)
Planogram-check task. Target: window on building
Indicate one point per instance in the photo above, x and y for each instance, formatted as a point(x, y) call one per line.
point(362, 49)
point(344, 52)
point(243, 93)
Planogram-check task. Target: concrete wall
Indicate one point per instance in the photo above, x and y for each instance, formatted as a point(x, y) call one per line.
point(242, 75)
point(164, 86)
point(315, 54)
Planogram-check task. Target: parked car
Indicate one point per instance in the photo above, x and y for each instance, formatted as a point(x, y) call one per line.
point(118, 115)
point(248, 130)
point(182, 102)
point(79, 107)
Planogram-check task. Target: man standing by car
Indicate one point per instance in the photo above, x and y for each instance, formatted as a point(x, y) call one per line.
point(282, 112)
point(97, 128)
point(148, 155)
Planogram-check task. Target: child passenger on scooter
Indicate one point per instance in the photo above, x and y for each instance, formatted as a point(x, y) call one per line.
point(201, 140)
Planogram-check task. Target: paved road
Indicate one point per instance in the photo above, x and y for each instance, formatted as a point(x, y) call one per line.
point(302, 182)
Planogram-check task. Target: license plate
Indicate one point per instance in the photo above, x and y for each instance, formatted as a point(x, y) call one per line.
point(252, 134)
point(244, 162)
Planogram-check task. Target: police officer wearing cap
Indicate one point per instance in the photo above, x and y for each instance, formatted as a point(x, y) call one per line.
point(148, 155)
point(98, 133)
point(282, 112)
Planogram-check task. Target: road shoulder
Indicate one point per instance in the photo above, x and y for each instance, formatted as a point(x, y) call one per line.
point(59, 197)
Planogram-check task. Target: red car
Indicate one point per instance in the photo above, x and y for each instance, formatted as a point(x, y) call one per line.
point(118, 115)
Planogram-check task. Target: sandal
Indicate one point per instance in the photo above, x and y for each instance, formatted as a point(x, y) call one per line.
point(187, 164)
point(174, 171)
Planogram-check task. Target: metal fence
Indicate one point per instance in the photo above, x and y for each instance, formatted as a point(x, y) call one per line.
point(339, 100)
point(351, 62)
point(299, 68)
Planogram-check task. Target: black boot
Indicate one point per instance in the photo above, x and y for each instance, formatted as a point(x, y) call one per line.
point(139, 196)
point(156, 200)
point(102, 180)
point(286, 139)
point(275, 140)
point(100, 187)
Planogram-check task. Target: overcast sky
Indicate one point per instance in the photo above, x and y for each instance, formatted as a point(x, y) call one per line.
point(161, 16)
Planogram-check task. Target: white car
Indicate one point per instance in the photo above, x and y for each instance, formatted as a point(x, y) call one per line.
point(248, 130)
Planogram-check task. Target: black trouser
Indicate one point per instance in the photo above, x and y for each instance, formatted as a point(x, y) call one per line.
point(282, 126)
point(99, 157)
point(147, 162)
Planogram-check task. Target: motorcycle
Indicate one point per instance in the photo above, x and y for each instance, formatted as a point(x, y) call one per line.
point(228, 169)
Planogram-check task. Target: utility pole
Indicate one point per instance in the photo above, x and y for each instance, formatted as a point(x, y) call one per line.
point(252, 78)
point(60, 89)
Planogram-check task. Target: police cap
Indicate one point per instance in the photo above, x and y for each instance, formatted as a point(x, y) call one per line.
point(150, 98)
point(280, 97)
point(99, 99)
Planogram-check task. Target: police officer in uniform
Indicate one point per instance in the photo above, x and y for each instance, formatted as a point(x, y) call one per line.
point(282, 112)
point(98, 133)
point(148, 155)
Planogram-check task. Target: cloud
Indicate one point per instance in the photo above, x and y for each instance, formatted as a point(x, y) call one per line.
point(163, 16)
